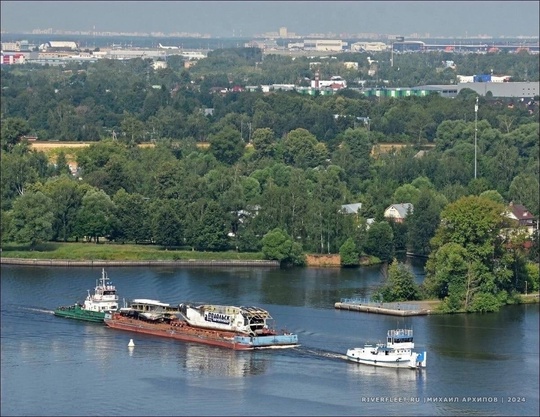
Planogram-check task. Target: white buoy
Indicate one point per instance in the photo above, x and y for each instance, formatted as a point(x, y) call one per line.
point(131, 344)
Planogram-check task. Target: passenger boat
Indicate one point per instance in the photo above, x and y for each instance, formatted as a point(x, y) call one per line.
point(396, 353)
point(95, 306)
point(239, 328)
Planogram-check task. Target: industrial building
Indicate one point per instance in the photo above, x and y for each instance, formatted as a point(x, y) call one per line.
point(18, 46)
point(483, 78)
point(408, 46)
point(335, 45)
point(509, 89)
point(497, 89)
point(12, 58)
point(59, 46)
point(369, 47)
point(398, 92)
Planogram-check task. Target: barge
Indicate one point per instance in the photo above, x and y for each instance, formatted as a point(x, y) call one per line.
point(238, 328)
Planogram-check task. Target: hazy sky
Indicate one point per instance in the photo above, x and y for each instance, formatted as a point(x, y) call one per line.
point(245, 18)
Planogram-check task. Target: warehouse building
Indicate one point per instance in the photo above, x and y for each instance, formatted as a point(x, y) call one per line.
point(59, 46)
point(369, 47)
point(335, 45)
point(497, 89)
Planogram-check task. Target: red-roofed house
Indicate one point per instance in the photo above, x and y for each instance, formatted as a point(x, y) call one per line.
point(522, 216)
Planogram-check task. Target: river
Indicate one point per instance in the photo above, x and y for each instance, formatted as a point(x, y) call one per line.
point(481, 364)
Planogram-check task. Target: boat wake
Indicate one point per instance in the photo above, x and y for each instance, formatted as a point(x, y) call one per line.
point(322, 353)
point(38, 310)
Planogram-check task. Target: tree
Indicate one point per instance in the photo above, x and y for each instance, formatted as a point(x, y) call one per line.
point(524, 189)
point(32, 218)
point(264, 143)
point(62, 166)
point(423, 221)
point(66, 195)
point(278, 245)
point(13, 128)
point(167, 226)
point(380, 241)
point(349, 253)
point(96, 216)
point(406, 193)
point(300, 148)
point(19, 169)
point(227, 145)
point(359, 144)
point(133, 130)
point(133, 217)
point(468, 267)
point(400, 285)
point(212, 229)
point(492, 195)
point(5, 226)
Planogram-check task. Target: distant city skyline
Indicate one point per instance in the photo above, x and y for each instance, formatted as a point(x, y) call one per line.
point(250, 18)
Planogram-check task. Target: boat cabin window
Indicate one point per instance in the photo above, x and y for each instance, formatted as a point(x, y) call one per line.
point(403, 340)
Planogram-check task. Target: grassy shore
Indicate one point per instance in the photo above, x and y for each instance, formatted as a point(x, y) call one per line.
point(117, 252)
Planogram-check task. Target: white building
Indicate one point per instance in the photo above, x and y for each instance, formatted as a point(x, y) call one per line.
point(159, 65)
point(369, 47)
point(335, 45)
point(335, 83)
point(59, 45)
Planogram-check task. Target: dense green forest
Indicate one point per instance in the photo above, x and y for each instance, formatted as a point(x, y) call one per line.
point(278, 166)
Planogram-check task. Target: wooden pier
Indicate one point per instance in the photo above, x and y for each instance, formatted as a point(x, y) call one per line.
point(392, 309)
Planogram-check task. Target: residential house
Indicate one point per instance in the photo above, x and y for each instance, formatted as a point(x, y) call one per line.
point(522, 216)
point(398, 212)
point(355, 208)
point(351, 208)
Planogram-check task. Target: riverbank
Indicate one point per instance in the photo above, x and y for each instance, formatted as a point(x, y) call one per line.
point(104, 263)
point(112, 254)
point(91, 252)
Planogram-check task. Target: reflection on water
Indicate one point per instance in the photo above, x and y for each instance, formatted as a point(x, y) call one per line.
point(202, 360)
point(479, 336)
point(394, 379)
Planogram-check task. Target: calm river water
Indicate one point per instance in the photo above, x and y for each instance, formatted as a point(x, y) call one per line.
point(476, 364)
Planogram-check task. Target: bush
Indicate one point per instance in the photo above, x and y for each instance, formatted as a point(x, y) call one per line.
point(400, 285)
point(484, 303)
point(349, 253)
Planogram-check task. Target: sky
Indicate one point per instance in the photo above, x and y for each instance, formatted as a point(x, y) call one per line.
point(247, 18)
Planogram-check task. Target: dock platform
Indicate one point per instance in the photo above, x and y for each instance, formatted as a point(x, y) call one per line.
point(392, 309)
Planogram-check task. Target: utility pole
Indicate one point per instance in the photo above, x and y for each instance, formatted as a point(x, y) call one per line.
point(475, 134)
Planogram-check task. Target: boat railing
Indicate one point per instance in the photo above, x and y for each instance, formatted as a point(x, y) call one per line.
point(373, 303)
point(400, 333)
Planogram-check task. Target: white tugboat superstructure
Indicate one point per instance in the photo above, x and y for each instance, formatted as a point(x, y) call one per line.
point(396, 353)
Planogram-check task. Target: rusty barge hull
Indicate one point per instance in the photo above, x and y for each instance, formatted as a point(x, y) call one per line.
point(183, 333)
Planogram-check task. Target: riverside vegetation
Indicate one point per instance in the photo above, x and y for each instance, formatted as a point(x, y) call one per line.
point(277, 168)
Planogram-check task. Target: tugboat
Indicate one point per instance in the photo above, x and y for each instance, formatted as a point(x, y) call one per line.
point(103, 300)
point(396, 353)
